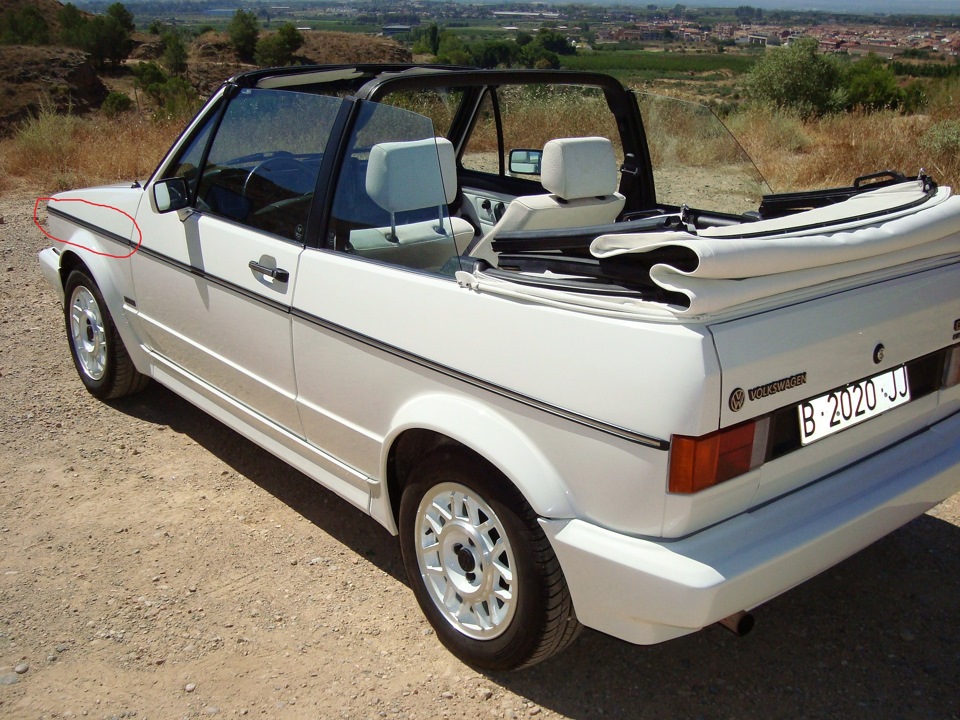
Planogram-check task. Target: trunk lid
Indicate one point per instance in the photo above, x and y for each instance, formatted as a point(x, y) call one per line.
point(775, 362)
point(781, 357)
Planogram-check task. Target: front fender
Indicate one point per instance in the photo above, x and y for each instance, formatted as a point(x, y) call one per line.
point(491, 435)
point(95, 231)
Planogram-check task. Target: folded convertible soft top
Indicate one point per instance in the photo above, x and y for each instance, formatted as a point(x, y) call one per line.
point(721, 268)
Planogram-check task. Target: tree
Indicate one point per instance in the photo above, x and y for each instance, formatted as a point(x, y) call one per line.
point(554, 42)
point(106, 39)
point(25, 26)
point(124, 17)
point(244, 31)
point(71, 25)
point(426, 40)
point(536, 56)
point(493, 53)
point(433, 38)
point(797, 77)
point(451, 50)
point(279, 47)
point(174, 54)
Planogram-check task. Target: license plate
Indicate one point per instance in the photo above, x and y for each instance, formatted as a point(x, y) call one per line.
point(850, 405)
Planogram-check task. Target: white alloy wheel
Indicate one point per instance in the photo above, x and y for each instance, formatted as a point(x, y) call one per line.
point(479, 565)
point(87, 333)
point(98, 352)
point(466, 561)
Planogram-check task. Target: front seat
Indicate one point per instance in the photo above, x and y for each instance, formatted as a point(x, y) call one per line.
point(417, 175)
point(580, 175)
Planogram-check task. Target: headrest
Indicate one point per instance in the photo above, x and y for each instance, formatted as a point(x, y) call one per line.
point(404, 175)
point(574, 168)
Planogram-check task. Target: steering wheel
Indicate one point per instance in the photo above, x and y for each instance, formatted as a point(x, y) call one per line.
point(277, 162)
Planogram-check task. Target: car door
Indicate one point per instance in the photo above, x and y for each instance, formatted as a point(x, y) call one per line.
point(214, 281)
point(391, 255)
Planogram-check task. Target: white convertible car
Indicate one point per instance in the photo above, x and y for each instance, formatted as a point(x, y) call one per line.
point(502, 313)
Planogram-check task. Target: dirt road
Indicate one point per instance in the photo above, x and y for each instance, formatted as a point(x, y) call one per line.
point(155, 564)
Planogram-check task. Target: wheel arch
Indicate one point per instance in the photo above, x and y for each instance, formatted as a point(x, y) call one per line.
point(99, 270)
point(429, 422)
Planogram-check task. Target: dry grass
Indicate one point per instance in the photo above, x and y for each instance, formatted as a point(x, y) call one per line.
point(55, 152)
point(794, 154)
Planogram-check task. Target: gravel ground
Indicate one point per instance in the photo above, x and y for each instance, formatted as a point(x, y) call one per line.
point(155, 564)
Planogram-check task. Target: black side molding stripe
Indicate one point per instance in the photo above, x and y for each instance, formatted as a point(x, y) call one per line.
point(586, 421)
point(166, 260)
point(609, 429)
point(51, 210)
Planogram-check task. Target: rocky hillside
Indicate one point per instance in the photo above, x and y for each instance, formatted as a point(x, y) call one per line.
point(32, 75)
point(50, 9)
point(212, 59)
point(29, 75)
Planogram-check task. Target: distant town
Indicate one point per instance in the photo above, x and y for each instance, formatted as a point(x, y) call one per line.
point(597, 27)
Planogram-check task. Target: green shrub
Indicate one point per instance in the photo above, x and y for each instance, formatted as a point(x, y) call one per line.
point(278, 48)
point(176, 99)
point(797, 77)
point(116, 103)
point(942, 138)
point(871, 85)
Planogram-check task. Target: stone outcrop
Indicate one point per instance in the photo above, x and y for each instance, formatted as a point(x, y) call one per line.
point(32, 76)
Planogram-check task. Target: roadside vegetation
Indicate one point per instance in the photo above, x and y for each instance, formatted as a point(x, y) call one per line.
point(55, 151)
point(807, 119)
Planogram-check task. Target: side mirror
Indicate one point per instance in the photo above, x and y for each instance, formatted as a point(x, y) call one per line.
point(525, 162)
point(170, 194)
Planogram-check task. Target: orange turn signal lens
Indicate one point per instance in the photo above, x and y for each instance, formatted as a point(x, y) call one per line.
point(951, 375)
point(697, 463)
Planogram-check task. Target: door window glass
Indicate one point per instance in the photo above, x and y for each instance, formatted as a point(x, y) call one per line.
point(264, 161)
point(696, 161)
point(187, 164)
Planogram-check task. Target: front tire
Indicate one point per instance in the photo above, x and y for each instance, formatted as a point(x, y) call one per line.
point(98, 353)
point(480, 566)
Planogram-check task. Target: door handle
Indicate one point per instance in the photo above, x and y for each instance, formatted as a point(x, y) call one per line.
point(278, 274)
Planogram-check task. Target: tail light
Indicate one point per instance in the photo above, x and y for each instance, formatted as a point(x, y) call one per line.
point(951, 374)
point(697, 463)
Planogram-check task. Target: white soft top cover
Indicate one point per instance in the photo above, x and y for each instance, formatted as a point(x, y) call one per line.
point(713, 271)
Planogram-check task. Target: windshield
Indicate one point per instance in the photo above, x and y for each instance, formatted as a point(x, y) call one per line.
point(696, 160)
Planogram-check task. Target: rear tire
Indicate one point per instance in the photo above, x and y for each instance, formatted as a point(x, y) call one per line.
point(480, 565)
point(98, 353)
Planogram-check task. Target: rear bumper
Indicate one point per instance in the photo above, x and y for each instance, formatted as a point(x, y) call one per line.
point(646, 591)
